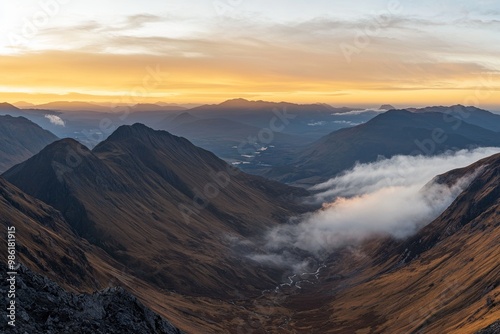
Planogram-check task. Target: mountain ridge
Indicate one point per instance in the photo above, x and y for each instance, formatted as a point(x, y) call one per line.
point(20, 139)
point(137, 191)
point(395, 132)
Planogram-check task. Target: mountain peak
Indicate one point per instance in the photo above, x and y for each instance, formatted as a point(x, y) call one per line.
point(65, 142)
point(386, 107)
point(7, 106)
point(392, 114)
point(23, 105)
point(236, 102)
point(243, 103)
point(140, 133)
point(156, 107)
point(65, 151)
point(135, 130)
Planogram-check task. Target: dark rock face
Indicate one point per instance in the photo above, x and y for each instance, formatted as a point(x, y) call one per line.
point(492, 329)
point(44, 307)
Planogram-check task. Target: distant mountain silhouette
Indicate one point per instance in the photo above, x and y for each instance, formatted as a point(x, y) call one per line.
point(70, 106)
point(141, 107)
point(7, 106)
point(242, 105)
point(386, 107)
point(471, 115)
point(177, 120)
point(20, 139)
point(23, 104)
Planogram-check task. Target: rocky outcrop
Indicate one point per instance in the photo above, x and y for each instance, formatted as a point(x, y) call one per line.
point(492, 329)
point(44, 307)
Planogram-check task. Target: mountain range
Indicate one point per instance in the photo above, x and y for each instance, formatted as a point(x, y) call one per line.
point(396, 132)
point(148, 231)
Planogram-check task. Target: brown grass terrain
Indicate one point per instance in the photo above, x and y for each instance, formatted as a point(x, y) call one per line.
point(124, 196)
point(119, 224)
point(443, 280)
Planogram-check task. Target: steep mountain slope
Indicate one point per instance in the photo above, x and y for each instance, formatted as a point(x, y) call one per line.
point(45, 242)
point(20, 139)
point(392, 133)
point(445, 279)
point(165, 209)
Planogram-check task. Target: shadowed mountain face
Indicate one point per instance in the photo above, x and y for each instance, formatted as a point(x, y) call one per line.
point(445, 279)
point(153, 200)
point(471, 115)
point(20, 139)
point(46, 242)
point(392, 133)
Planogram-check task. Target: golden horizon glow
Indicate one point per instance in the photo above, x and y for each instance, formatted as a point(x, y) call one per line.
point(307, 55)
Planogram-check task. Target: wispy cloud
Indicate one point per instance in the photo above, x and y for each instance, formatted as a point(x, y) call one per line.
point(56, 120)
point(414, 57)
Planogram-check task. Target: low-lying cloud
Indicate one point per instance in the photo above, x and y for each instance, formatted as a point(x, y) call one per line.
point(397, 171)
point(391, 197)
point(56, 120)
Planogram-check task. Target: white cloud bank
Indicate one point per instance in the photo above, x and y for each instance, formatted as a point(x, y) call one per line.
point(56, 120)
point(387, 197)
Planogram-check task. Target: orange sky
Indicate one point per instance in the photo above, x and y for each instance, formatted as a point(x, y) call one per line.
point(352, 58)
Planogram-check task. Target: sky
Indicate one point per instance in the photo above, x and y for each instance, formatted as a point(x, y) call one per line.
point(353, 53)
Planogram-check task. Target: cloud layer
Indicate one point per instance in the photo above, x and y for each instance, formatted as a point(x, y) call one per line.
point(389, 197)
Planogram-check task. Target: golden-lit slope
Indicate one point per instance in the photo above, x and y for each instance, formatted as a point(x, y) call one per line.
point(45, 242)
point(443, 280)
point(124, 198)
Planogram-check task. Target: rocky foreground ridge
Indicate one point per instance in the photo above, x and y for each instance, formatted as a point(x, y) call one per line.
point(42, 306)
